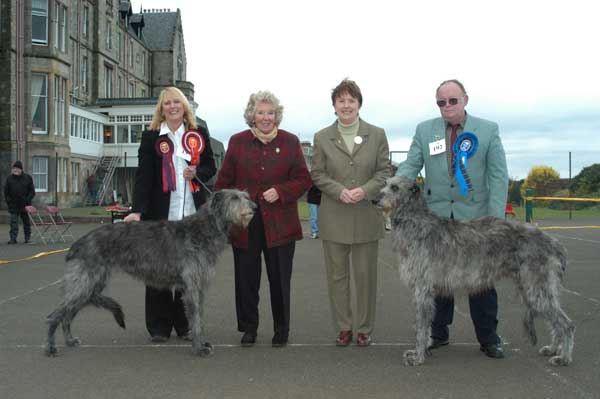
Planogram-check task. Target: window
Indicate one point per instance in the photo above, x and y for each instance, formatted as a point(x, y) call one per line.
point(60, 92)
point(108, 34)
point(179, 68)
point(62, 175)
point(84, 23)
point(75, 177)
point(39, 106)
point(131, 53)
point(120, 86)
point(62, 29)
point(60, 22)
point(136, 133)
point(40, 174)
point(143, 63)
point(131, 91)
point(56, 101)
point(118, 43)
point(143, 93)
point(109, 136)
point(39, 21)
point(84, 68)
point(122, 134)
point(63, 107)
point(108, 81)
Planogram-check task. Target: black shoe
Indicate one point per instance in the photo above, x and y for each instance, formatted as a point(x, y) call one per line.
point(12, 242)
point(159, 339)
point(494, 351)
point(435, 343)
point(248, 339)
point(279, 340)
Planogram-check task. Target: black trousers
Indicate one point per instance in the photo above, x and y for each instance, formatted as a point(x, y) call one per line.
point(14, 225)
point(247, 263)
point(165, 311)
point(484, 313)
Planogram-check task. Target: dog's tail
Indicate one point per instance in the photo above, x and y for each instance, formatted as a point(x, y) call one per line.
point(105, 302)
point(529, 326)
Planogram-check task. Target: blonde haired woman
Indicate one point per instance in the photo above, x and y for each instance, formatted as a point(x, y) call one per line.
point(167, 187)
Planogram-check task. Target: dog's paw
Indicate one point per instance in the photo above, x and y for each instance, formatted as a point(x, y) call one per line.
point(203, 351)
point(73, 342)
point(558, 361)
point(411, 358)
point(548, 350)
point(51, 351)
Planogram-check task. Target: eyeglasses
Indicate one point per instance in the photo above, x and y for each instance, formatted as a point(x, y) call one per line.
point(451, 101)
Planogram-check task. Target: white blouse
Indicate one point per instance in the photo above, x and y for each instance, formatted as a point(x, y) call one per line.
point(182, 201)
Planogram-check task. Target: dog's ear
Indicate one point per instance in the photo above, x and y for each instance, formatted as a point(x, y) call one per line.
point(415, 189)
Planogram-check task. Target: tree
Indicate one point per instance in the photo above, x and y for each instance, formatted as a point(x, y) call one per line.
point(514, 191)
point(542, 179)
point(587, 182)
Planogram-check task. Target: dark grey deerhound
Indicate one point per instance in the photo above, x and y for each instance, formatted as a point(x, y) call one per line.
point(440, 256)
point(161, 254)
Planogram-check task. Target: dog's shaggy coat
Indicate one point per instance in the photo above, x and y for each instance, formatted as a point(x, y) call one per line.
point(440, 256)
point(161, 254)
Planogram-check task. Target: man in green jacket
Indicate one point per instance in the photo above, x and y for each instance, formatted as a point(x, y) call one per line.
point(463, 193)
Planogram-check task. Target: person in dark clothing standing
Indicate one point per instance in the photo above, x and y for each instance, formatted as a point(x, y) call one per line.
point(18, 192)
point(313, 198)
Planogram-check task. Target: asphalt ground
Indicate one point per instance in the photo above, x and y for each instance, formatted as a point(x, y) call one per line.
point(115, 363)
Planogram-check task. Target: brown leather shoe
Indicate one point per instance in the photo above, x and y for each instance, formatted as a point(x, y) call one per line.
point(344, 338)
point(363, 339)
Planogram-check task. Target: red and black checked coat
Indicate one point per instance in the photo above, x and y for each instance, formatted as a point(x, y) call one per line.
point(255, 167)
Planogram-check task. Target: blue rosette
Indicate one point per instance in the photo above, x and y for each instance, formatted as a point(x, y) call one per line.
point(464, 148)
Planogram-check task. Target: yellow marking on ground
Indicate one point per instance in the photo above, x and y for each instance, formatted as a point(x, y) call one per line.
point(564, 199)
point(568, 227)
point(41, 254)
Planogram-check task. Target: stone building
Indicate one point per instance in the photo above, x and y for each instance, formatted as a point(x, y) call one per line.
point(79, 84)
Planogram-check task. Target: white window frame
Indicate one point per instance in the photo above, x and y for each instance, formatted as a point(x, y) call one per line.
point(75, 177)
point(108, 34)
point(108, 81)
point(56, 96)
point(42, 96)
point(39, 172)
point(35, 13)
point(84, 73)
point(86, 17)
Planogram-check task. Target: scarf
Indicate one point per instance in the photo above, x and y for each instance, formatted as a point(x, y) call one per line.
point(265, 138)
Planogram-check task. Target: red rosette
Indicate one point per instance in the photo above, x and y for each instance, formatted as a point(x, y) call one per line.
point(193, 143)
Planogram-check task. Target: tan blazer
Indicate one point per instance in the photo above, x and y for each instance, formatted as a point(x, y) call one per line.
point(334, 168)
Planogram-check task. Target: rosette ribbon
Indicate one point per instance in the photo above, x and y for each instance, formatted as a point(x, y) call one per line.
point(193, 143)
point(164, 150)
point(464, 148)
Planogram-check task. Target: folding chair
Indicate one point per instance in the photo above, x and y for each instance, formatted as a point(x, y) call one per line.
point(62, 228)
point(41, 228)
point(509, 211)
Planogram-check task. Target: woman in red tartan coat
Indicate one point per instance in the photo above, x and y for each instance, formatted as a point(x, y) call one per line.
point(268, 163)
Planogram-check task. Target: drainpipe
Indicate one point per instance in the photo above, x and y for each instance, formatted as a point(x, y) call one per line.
point(20, 135)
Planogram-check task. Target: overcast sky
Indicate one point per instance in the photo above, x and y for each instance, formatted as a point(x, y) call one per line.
point(532, 66)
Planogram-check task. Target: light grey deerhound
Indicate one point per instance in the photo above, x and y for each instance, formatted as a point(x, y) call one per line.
point(161, 254)
point(440, 256)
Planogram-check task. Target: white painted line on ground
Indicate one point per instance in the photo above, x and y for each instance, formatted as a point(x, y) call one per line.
point(292, 345)
point(575, 238)
point(14, 298)
point(581, 296)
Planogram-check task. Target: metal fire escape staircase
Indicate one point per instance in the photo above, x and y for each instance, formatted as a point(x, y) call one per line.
point(104, 171)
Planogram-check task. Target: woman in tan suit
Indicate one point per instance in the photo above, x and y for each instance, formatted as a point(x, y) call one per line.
point(350, 166)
